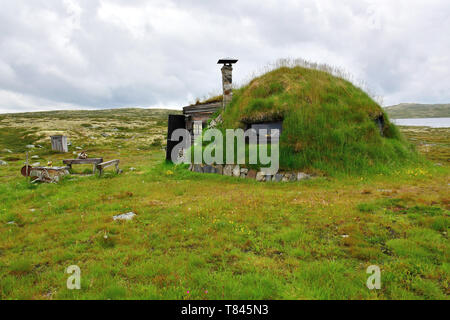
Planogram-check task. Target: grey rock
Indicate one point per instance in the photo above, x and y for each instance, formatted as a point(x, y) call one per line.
point(6, 151)
point(219, 169)
point(209, 169)
point(293, 177)
point(303, 176)
point(228, 170)
point(236, 171)
point(11, 222)
point(125, 216)
point(268, 177)
point(198, 168)
point(244, 170)
point(132, 169)
point(30, 146)
point(243, 175)
point(277, 177)
point(3, 163)
point(78, 148)
point(191, 166)
point(260, 176)
point(286, 177)
point(36, 164)
point(104, 134)
point(40, 147)
point(35, 157)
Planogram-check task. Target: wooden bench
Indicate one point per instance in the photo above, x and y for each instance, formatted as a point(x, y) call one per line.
point(104, 165)
point(93, 161)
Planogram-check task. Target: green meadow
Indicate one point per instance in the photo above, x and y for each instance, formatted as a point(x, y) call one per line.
point(200, 236)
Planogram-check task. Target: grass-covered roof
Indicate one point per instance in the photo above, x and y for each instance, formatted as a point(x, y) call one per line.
point(329, 125)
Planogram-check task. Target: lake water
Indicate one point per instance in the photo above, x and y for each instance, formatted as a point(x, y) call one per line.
point(424, 122)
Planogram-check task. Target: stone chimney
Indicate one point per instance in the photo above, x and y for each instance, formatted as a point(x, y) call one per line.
point(227, 79)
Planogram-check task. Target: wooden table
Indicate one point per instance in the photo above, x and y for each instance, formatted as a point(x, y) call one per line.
point(93, 161)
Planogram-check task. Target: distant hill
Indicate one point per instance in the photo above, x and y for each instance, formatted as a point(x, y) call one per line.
point(416, 110)
point(118, 113)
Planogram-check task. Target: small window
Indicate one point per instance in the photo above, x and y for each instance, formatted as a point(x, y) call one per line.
point(266, 128)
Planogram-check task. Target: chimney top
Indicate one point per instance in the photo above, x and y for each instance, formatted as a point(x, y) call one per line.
point(227, 61)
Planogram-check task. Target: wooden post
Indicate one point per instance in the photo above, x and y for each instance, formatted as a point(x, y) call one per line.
point(26, 164)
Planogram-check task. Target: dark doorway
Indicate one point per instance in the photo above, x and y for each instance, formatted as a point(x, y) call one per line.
point(175, 122)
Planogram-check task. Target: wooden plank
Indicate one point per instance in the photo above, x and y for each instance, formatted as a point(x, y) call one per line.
point(107, 164)
point(83, 161)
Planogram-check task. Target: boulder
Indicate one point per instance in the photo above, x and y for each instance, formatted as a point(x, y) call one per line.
point(286, 177)
point(191, 166)
point(228, 170)
point(198, 168)
point(293, 177)
point(303, 176)
point(260, 176)
point(251, 174)
point(125, 216)
point(237, 171)
point(35, 157)
point(30, 146)
point(209, 169)
point(268, 177)
point(3, 163)
point(277, 177)
point(219, 169)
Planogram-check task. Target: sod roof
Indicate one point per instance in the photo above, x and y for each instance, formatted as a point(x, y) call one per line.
point(329, 125)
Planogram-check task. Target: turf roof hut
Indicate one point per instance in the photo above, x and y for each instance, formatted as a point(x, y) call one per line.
point(328, 124)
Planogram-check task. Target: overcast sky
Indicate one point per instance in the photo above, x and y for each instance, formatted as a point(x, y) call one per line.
point(124, 53)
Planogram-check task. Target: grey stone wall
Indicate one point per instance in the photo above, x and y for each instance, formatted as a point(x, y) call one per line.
point(238, 171)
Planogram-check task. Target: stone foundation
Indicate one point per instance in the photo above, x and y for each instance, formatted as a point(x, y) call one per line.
point(241, 172)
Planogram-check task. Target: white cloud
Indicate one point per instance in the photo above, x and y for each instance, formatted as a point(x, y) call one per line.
point(112, 53)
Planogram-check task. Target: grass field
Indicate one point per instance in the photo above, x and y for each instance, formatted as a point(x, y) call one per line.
point(199, 236)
